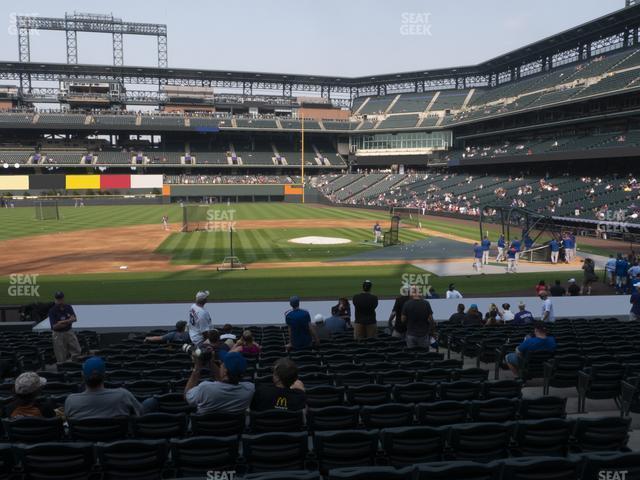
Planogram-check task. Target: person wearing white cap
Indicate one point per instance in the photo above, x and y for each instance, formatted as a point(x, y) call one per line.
point(26, 402)
point(199, 319)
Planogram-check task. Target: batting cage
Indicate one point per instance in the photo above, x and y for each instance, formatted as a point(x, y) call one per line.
point(392, 237)
point(47, 210)
point(197, 218)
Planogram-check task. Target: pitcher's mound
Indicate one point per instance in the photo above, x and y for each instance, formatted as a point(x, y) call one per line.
point(320, 240)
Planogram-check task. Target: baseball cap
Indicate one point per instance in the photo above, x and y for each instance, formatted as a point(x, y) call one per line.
point(637, 284)
point(521, 304)
point(294, 301)
point(319, 317)
point(367, 284)
point(58, 295)
point(572, 280)
point(29, 382)
point(473, 305)
point(93, 365)
point(202, 295)
point(234, 362)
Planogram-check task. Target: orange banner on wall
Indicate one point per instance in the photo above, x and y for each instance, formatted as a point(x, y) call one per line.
point(293, 189)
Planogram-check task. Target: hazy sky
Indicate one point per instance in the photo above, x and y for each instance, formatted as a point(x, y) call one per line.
point(322, 37)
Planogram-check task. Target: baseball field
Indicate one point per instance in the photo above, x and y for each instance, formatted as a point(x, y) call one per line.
point(123, 254)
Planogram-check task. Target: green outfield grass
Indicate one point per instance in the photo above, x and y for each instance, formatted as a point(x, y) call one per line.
point(20, 222)
point(270, 284)
point(269, 245)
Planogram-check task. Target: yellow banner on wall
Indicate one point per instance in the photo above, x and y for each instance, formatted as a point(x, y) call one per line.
point(82, 182)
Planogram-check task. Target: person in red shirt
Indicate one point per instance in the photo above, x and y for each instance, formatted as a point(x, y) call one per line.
point(541, 287)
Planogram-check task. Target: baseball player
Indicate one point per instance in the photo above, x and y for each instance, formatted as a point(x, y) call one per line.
point(165, 222)
point(377, 232)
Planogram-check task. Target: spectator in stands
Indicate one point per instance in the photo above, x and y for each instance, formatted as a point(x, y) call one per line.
point(302, 334)
point(523, 316)
point(97, 401)
point(540, 341)
point(227, 393)
point(634, 314)
point(432, 293)
point(473, 316)
point(217, 345)
point(61, 318)
point(397, 327)
point(417, 315)
point(335, 323)
point(573, 289)
point(452, 292)
point(344, 309)
point(321, 329)
point(199, 319)
point(557, 290)
point(286, 392)
point(590, 276)
point(365, 303)
point(507, 314)
point(27, 401)
point(458, 317)
point(179, 335)
point(554, 247)
point(492, 317)
point(477, 257)
point(633, 274)
point(246, 345)
point(541, 287)
point(610, 269)
point(228, 336)
point(547, 308)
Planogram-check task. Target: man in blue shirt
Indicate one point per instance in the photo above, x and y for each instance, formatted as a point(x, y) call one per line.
point(486, 246)
point(477, 257)
point(523, 316)
point(555, 250)
point(65, 342)
point(622, 268)
point(528, 242)
point(501, 245)
point(540, 341)
point(179, 335)
point(335, 323)
point(302, 333)
point(512, 258)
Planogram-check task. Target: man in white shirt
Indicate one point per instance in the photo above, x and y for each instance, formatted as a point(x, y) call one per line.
point(452, 292)
point(547, 308)
point(506, 314)
point(199, 319)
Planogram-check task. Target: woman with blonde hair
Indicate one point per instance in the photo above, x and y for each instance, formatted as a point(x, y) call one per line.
point(246, 345)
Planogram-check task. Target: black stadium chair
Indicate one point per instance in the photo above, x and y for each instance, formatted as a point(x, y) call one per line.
point(33, 429)
point(369, 394)
point(196, 456)
point(333, 418)
point(324, 396)
point(276, 421)
point(541, 437)
point(99, 429)
point(159, 425)
point(387, 415)
point(286, 475)
point(417, 392)
point(460, 390)
point(371, 473)
point(346, 448)
point(7, 461)
point(481, 442)
point(57, 461)
point(132, 459)
point(460, 470)
point(275, 451)
point(410, 445)
point(441, 413)
point(217, 424)
point(541, 468)
point(494, 410)
point(543, 407)
point(601, 434)
point(502, 389)
point(592, 464)
point(173, 403)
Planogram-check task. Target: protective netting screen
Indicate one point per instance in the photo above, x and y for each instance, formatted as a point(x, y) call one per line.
point(47, 210)
point(197, 217)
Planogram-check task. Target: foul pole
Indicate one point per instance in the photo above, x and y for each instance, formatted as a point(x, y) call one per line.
point(302, 155)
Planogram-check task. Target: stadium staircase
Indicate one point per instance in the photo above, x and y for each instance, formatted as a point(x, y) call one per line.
point(393, 102)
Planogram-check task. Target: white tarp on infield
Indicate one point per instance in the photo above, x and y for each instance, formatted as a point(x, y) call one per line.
point(320, 240)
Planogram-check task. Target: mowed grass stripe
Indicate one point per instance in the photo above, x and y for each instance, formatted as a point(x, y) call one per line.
point(275, 251)
point(258, 243)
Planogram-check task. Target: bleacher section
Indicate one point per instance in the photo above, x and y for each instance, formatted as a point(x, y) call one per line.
point(398, 121)
point(15, 156)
